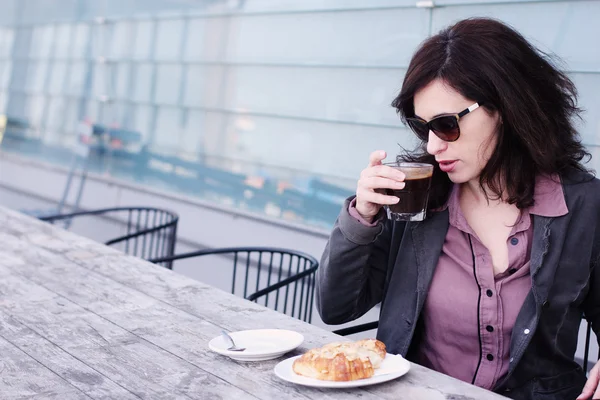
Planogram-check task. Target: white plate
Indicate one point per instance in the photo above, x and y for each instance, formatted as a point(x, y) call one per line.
point(260, 344)
point(392, 367)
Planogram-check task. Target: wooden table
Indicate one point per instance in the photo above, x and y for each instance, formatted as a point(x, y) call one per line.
point(79, 320)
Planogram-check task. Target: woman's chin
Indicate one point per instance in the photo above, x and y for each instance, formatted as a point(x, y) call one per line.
point(457, 177)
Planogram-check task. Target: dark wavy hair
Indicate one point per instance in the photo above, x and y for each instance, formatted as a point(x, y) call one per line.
point(489, 62)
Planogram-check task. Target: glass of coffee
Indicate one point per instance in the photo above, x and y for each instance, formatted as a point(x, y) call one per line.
point(413, 198)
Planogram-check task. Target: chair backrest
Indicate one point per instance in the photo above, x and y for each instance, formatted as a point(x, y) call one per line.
point(281, 279)
point(586, 354)
point(144, 232)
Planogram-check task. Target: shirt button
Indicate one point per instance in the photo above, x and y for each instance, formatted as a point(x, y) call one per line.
point(526, 331)
point(489, 293)
point(514, 241)
point(490, 357)
point(489, 328)
point(511, 359)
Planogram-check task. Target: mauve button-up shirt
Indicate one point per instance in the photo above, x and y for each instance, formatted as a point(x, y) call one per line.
point(469, 314)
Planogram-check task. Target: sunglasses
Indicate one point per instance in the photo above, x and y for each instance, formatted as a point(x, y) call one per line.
point(445, 127)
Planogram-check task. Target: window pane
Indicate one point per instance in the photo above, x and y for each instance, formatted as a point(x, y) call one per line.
point(59, 70)
point(3, 102)
point(17, 79)
point(6, 42)
point(22, 42)
point(122, 80)
point(168, 130)
point(191, 140)
point(41, 42)
point(121, 40)
point(347, 94)
point(62, 41)
point(143, 77)
point(589, 100)
point(33, 12)
point(80, 41)
point(35, 110)
point(36, 76)
point(117, 114)
point(204, 86)
point(5, 76)
point(295, 5)
point(194, 86)
point(76, 78)
point(306, 145)
point(100, 86)
point(10, 11)
point(143, 40)
point(380, 37)
point(168, 39)
point(92, 111)
point(168, 84)
point(17, 106)
point(100, 36)
point(71, 116)
point(56, 112)
point(196, 37)
point(142, 119)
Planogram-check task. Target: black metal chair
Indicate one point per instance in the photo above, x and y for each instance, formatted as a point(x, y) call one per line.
point(281, 279)
point(586, 354)
point(145, 232)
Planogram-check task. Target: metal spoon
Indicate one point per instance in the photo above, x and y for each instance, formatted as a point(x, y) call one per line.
point(229, 340)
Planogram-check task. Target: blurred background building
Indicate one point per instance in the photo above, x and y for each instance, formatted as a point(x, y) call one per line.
point(278, 102)
point(250, 118)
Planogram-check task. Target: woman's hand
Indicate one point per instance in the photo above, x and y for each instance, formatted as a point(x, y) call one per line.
point(373, 180)
point(591, 389)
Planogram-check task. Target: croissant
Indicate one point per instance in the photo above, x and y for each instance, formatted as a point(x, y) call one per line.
point(345, 361)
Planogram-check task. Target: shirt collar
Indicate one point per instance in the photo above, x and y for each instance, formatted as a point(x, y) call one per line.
point(549, 197)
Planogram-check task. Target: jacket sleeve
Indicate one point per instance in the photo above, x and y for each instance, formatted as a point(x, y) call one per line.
point(591, 305)
point(352, 274)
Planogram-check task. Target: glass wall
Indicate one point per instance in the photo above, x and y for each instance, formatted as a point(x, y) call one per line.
point(266, 106)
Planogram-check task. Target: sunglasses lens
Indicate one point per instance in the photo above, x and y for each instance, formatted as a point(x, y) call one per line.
point(446, 128)
point(419, 128)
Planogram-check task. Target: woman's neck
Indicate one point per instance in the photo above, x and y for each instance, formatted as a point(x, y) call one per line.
point(480, 195)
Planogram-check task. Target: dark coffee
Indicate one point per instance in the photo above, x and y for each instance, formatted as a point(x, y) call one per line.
point(413, 197)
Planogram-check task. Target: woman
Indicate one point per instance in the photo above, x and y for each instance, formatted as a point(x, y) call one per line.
point(492, 286)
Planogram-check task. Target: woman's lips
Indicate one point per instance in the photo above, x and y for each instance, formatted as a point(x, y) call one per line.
point(447, 166)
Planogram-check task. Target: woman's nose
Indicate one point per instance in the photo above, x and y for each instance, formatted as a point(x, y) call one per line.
point(435, 145)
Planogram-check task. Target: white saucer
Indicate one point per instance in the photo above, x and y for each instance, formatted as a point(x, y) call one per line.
point(392, 367)
point(260, 344)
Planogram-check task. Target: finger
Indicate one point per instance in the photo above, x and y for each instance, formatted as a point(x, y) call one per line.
point(596, 393)
point(377, 182)
point(385, 172)
point(591, 385)
point(376, 198)
point(376, 157)
point(588, 390)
